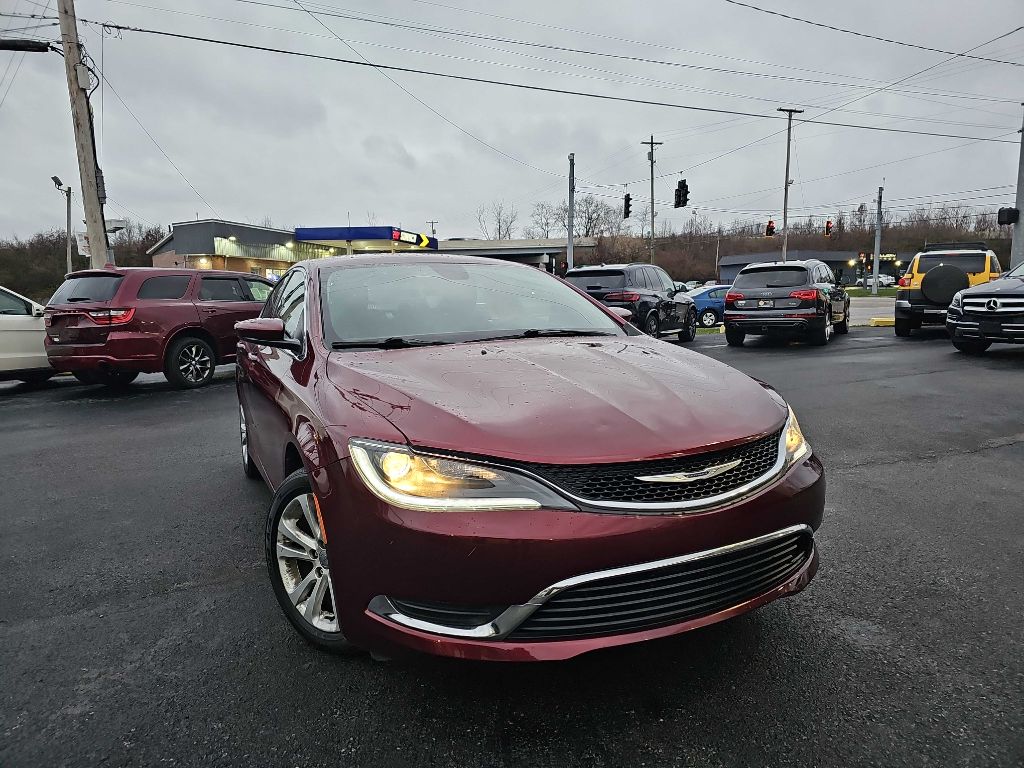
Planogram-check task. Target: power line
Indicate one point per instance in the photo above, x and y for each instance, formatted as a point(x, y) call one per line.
point(524, 86)
point(157, 145)
point(401, 24)
point(872, 37)
point(633, 77)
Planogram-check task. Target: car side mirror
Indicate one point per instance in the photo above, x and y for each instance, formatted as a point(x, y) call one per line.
point(622, 312)
point(37, 312)
point(266, 331)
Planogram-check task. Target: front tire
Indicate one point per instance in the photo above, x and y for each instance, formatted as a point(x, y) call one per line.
point(689, 330)
point(249, 468)
point(299, 569)
point(189, 363)
point(843, 326)
point(734, 337)
point(708, 318)
point(652, 325)
point(972, 347)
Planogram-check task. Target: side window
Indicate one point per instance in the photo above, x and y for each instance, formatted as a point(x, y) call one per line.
point(995, 264)
point(293, 307)
point(12, 305)
point(650, 280)
point(718, 293)
point(258, 289)
point(638, 279)
point(666, 281)
point(166, 287)
point(221, 289)
point(273, 304)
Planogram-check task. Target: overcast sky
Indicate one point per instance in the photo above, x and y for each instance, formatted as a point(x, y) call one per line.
point(310, 143)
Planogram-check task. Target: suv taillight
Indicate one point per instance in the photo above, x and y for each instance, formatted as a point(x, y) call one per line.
point(734, 296)
point(809, 294)
point(111, 316)
point(905, 281)
point(622, 296)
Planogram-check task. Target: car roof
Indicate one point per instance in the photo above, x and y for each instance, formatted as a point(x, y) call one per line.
point(401, 257)
point(586, 267)
point(770, 264)
point(159, 272)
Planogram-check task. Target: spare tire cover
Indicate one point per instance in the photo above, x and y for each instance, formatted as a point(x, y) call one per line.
point(941, 283)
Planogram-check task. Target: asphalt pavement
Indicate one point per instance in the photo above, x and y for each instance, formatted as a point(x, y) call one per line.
point(138, 627)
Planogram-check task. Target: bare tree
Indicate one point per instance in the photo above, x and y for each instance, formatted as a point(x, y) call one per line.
point(545, 220)
point(499, 221)
point(593, 217)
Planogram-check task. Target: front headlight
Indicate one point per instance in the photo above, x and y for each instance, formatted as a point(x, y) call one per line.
point(796, 445)
point(958, 300)
point(403, 478)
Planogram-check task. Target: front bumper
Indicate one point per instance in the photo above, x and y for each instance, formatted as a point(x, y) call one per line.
point(1008, 330)
point(510, 560)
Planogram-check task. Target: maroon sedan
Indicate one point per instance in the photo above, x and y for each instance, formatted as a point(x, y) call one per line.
point(471, 458)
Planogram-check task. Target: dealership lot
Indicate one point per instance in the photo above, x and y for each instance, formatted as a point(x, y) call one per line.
point(138, 625)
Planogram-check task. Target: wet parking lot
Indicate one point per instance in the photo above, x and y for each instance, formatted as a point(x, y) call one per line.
point(138, 626)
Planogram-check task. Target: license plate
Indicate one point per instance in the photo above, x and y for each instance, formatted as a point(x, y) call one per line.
point(990, 328)
point(765, 303)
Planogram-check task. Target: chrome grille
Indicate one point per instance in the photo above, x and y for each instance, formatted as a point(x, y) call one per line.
point(669, 595)
point(1006, 304)
point(617, 482)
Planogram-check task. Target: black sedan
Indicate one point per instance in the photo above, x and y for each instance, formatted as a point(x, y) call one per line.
point(988, 313)
point(645, 290)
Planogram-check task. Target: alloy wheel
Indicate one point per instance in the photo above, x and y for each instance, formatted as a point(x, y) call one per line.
point(244, 430)
point(828, 326)
point(708, 319)
point(652, 325)
point(303, 564)
point(194, 363)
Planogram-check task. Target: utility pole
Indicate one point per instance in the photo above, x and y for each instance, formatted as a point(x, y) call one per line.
point(650, 156)
point(572, 210)
point(878, 243)
point(718, 244)
point(81, 119)
point(433, 230)
point(785, 187)
point(1017, 244)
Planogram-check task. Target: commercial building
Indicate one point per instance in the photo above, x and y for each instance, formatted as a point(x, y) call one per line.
point(266, 251)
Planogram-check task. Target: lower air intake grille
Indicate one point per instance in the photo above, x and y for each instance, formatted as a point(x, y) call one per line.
point(668, 595)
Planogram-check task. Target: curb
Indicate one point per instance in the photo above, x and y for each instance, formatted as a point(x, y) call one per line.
point(882, 322)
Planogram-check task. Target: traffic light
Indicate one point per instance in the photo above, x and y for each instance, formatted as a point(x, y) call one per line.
point(769, 231)
point(627, 203)
point(682, 194)
point(828, 228)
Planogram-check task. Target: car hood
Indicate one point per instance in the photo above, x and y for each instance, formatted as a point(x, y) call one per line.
point(1008, 285)
point(558, 400)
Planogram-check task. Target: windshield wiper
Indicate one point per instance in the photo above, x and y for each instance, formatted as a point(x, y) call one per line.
point(536, 333)
point(395, 342)
point(79, 298)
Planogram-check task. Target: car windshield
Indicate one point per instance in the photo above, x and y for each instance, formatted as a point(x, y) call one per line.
point(772, 277)
point(968, 262)
point(1016, 272)
point(597, 278)
point(86, 288)
point(451, 302)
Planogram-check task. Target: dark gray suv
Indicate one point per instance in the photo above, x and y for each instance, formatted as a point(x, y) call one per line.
point(791, 298)
point(645, 290)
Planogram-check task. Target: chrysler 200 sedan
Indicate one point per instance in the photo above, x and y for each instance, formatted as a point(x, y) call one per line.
point(472, 458)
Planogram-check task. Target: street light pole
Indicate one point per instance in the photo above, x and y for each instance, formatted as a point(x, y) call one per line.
point(785, 187)
point(650, 156)
point(66, 191)
point(1017, 243)
point(572, 211)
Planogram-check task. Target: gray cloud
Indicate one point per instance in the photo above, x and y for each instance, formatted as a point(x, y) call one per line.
point(310, 142)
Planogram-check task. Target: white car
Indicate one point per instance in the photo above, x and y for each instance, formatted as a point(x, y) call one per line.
point(22, 355)
point(884, 281)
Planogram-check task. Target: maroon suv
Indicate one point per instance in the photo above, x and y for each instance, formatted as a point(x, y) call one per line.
point(471, 458)
point(106, 326)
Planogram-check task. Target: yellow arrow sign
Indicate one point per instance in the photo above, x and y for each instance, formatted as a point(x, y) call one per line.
point(424, 240)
